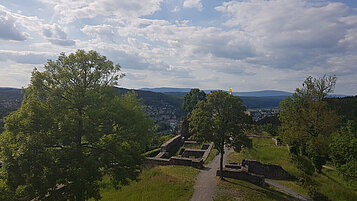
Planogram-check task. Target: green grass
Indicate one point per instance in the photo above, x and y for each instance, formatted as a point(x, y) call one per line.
point(265, 151)
point(330, 183)
point(232, 189)
point(162, 183)
point(211, 156)
point(333, 186)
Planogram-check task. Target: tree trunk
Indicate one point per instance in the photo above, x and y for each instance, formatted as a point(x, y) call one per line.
point(221, 162)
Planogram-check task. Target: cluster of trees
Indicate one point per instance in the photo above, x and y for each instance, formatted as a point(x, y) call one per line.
point(72, 129)
point(315, 132)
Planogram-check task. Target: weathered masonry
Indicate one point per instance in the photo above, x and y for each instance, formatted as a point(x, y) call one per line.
point(187, 156)
point(254, 172)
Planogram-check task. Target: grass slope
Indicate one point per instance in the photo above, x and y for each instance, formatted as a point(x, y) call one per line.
point(330, 183)
point(162, 183)
point(232, 190)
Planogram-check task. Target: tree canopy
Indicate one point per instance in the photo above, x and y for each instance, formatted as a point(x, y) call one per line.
point(221, 119)
point(71, 130)
point(343, 150)
point(307, 122)
point(191, 99)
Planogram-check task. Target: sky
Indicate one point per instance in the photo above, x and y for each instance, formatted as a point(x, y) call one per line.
point(247, 45)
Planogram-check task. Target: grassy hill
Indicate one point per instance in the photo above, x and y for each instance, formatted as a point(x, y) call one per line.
point(330, 183)
point(162, 183)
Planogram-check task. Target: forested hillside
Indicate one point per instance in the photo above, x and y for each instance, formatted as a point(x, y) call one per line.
point(346, 107)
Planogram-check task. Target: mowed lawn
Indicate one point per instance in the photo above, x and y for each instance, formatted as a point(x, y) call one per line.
point(161, 183)
point(330, 183)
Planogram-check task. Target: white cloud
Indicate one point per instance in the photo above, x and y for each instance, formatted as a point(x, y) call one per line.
point(25, 57)
point(290, 33)
point(72, 10)
point(193, 4)
point(56, 35)
point(102, 32)
point(8, 29)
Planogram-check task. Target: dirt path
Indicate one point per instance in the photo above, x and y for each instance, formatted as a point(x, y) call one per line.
point(287, 190)
point(205, 186)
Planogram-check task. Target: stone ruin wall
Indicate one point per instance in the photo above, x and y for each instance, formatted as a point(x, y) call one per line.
point(268, 170)
point(175, 142)
point(254, 172)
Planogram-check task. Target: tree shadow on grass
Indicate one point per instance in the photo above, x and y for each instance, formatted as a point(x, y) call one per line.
point(268, 191)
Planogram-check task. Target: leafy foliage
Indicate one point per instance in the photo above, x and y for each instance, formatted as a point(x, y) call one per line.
point(191, 99)
point(307, 122)
point(72, 129)
point(221, 119)
point(344, 150)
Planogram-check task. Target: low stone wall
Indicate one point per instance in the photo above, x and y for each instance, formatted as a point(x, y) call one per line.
point(205, 146)
point(269, 171)
point(197, 153)
point(175, 160)
point(190, 143)
point(153, 161)
point(173, 143)
point(243, 175)
point(208, 150)
point(233, 166)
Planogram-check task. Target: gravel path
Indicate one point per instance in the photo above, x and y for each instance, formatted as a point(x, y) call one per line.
point(287, 190)
point(206, 183)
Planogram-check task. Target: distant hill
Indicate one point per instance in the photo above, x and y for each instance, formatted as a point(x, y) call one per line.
point(10, 93)
point(183, 91)
point(166, 89)
point(264, 93)
point(159, 100)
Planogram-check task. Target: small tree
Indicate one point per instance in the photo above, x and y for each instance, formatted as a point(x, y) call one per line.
point(71, 130)
point(307, 122)
point(221, 119)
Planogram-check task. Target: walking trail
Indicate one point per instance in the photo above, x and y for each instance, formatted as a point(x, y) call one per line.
point(287, 190)
point(205, 186)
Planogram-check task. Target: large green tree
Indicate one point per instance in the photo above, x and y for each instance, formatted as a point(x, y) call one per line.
point(307, 122)
point(221, 119)
point(71, 130)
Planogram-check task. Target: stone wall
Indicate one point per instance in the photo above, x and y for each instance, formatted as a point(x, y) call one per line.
point(243, 175)
point(208, 150)
point(269, 171)
point(197, 153)
point(175, 160)
point(153, 161)
point(233, 166)
point(190, 143)
point(173, 143)
point(196, 163)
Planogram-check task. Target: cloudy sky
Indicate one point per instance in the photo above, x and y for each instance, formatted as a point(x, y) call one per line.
point(244, 44)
